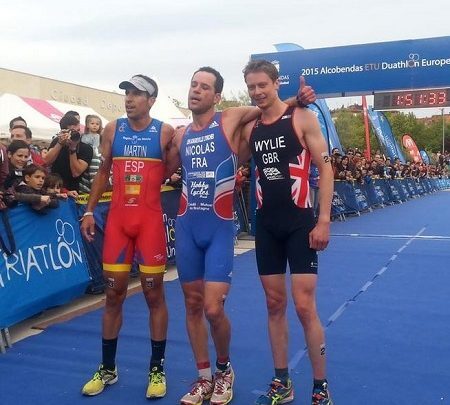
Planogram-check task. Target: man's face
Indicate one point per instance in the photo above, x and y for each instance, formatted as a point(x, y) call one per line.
point(137, 103)
point(35, 180)
point(261, 89)
point(18, 134)
point(202, 95)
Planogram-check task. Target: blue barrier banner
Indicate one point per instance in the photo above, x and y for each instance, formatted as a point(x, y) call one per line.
point(396, 191)
point(48, 267)
point(373, 198)
point(405, 189)
point(383, 191)
point(366, 68)
point(346, 193)
point(361, 197)
point(411, 186)
point(337, 204)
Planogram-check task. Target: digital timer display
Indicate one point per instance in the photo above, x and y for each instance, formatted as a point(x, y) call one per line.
point(397, 100)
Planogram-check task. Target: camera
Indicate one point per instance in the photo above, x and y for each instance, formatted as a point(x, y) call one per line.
point(75, 135)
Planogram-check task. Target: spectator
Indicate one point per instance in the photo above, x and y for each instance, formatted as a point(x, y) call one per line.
point(43, 152)
point(53, 185)
point(23, 133)
point(17, 121)
point(93, 129)
point(18, 155)
point(30, 189)
point(68, 155)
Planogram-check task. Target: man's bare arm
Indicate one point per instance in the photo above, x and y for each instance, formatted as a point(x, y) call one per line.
point(100, 181)
point(306, 124)
point(172, 153)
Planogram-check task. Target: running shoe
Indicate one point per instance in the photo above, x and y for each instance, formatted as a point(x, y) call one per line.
point(201, 391)
point(321, 395)
point(156, 383)
point(278, 393)
point(223, 387)
point(101, 379)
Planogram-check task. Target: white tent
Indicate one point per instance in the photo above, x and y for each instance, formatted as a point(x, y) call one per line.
point(82, 110)
point(12, 106)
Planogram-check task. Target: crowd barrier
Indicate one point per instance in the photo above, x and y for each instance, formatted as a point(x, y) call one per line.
point(352, 198)
point(48, 266)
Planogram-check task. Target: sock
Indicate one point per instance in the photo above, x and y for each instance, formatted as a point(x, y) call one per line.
point(223, 363)
point(282, 374)
point(319, 383)
point(158, 350)
point(204, 370)
point(109, 348)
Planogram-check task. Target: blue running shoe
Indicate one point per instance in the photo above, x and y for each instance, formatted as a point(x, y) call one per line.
point(277, 394)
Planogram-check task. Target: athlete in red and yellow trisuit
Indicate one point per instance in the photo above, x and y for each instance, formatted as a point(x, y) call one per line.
point(134, 147)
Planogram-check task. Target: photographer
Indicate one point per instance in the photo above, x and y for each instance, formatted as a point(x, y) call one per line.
point(67, 155)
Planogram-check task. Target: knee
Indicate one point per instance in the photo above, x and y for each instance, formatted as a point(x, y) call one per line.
point(306, 310)
point(114, 299)
point(214, 313)
point(276, 305)
point(194, 306)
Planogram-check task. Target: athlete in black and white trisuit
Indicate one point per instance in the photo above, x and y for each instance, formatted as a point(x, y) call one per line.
point(283, 141)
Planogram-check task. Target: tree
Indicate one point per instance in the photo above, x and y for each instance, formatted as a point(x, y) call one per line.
point(242, 98)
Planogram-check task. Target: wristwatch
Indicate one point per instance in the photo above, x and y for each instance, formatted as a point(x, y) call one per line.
point(72, 151)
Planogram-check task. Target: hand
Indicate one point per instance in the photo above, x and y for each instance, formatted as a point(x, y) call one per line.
point(88, 228)
point(63, 137)
point(175, 177)
point(45, 199)
point(305, 94)
point(72, 193)
point(319, 236)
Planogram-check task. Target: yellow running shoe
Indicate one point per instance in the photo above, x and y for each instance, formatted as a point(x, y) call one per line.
point(101, 378)
point(156, 384)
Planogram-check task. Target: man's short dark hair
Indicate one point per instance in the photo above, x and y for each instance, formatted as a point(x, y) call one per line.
point(27, 130)
point(67, 120)
point(218, 85)
point(264, 66)
point(72, 112)
point(19, 118)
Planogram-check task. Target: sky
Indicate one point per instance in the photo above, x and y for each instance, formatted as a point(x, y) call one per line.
point(100, 43)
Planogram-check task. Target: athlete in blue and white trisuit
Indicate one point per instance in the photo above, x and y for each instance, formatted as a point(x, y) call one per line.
point(204, 229)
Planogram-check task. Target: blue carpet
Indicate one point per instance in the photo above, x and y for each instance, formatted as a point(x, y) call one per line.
point(383, 301)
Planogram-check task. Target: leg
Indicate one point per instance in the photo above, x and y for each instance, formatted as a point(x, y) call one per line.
point(303, 292)
point(153, 289)
point(275, 291)
point(215, 294)
point(194, 300)
point(116, 292)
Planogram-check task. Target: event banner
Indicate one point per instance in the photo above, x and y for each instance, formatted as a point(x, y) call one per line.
point(366, 68)
point(383, 132)
point(48, 267)
point(412, 148)
point(321, 110)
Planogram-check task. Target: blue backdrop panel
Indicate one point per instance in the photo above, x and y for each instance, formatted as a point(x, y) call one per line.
point(48, 267)
point(366, 68)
